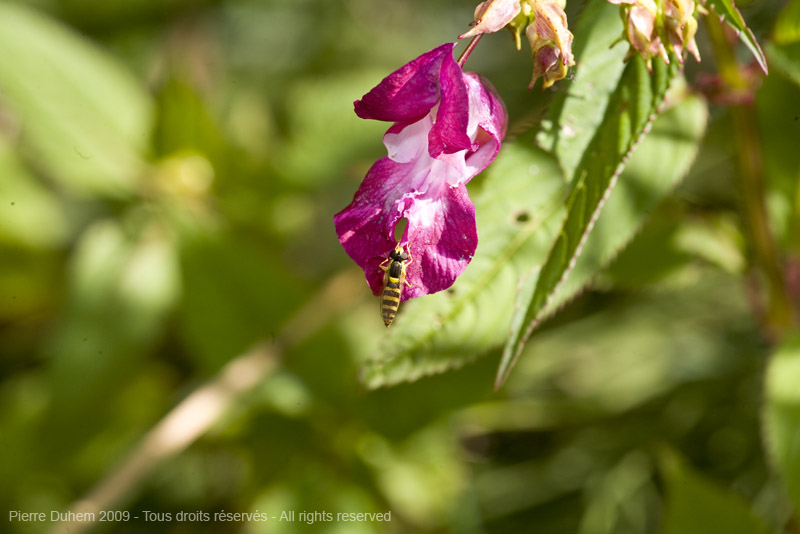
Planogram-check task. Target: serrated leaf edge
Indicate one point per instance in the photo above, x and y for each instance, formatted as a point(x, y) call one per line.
point(502, 375)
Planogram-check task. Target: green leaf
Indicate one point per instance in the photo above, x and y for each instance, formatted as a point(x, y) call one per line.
point(786, 59)
point(82, 117)
point(575, 114)
point(697, 505)
point(728, 10)
point(624, 353)
point(630, 112)
point(30, 214)
point(674, 138)
point(231, 289)
point(782, 415)
point(312, 107)
point(123, 281)
point(778, 112)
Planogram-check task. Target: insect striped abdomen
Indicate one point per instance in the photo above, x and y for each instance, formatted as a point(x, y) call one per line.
point(393, 282)
point(390, 301)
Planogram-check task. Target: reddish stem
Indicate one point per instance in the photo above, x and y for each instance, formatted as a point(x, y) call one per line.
point(470, 47)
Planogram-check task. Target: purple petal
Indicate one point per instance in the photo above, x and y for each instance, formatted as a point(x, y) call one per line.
point(449, 133)
point(442, 236)
point(366, 226)
point(441, 229)
point(489, 113)
point(409, 92)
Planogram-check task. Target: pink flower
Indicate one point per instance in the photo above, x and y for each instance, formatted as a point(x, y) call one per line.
point(447, 128)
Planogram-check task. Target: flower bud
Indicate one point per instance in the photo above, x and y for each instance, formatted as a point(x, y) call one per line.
point(650, 32)
point(639, 18)
point(681, 26)
point(545, 25)
point(550, 40)
point(492, 16)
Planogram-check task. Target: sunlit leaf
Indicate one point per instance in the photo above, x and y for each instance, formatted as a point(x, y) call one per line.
point(82, 117)
point(184, 122)
point(782, 415)
point(29, 213)
point(715, 240)
point(419, 477)
point(625, 353)
point(121, 284)
point(576, 111)
point(674, 138)
point(631, 110)
point(728, 10)
point(313, 107)
point(697, 505)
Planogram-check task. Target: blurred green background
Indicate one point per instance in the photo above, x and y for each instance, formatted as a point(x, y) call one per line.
point(168, 175)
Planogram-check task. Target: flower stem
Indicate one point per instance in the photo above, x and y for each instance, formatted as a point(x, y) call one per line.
point(747, 142)
point(470, 47)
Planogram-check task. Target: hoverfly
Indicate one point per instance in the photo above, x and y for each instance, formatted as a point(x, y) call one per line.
point(394, 278)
